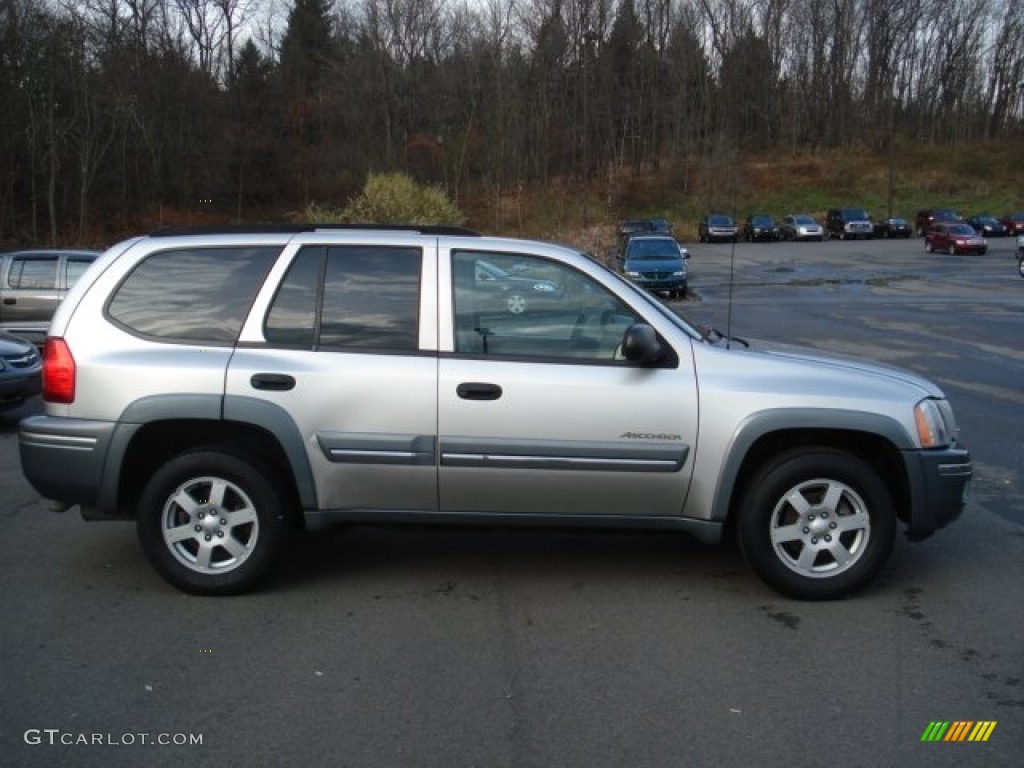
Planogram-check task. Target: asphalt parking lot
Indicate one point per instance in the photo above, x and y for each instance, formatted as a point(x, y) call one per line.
point(534, 649)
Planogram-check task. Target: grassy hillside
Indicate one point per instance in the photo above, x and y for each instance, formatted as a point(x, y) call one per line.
point(972, 179)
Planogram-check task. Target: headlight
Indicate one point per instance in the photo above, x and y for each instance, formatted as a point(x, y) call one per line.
point(932, 429)
point(632, 273)
point(680, 273)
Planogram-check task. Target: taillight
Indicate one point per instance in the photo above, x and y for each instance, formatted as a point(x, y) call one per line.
point(58, 372)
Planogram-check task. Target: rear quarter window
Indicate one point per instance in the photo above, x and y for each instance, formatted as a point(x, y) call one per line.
point(191, 295)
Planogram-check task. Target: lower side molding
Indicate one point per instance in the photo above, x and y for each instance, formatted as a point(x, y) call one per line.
point(706, 531)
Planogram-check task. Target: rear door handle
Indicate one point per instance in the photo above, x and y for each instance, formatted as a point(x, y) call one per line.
point(474, 390)
point(10, 302)
point(275, 382)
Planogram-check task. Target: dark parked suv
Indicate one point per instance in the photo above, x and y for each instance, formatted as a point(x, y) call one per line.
point(761, 227)
point(657, 263)
point(928, 216)
point(849, 223)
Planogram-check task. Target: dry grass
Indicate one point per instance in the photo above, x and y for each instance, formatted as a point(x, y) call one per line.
point(970, 178)
point(974, 178)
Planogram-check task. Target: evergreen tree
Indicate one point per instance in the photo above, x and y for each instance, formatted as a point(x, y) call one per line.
point(306, 58)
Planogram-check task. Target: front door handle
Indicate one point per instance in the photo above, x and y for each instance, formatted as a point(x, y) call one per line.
point(474, 390)
point(275, 382)
point(10, 302)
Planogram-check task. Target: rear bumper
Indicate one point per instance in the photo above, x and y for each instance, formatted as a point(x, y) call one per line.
point(940, 482)
point(63, 459)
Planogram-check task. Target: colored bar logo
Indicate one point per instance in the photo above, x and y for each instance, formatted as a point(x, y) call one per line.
point(958, 730)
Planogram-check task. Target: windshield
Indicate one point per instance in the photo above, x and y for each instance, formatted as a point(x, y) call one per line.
point(855, 214)
point(720, 221)
point(805, 220)
point(661, 249)
point(961, 229)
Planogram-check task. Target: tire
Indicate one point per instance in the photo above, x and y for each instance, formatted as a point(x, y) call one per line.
point(211, 522)
point(816, 524)
point(1020, 266)
point(952, 250)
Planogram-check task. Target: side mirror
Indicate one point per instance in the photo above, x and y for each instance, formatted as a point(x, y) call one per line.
point(640, 344)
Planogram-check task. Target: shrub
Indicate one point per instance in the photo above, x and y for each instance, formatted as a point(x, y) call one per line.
point(391, 198)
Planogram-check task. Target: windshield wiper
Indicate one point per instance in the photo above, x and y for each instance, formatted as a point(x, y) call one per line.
point(714, 336)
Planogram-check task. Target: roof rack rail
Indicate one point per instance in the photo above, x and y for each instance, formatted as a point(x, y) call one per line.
point(265, 229)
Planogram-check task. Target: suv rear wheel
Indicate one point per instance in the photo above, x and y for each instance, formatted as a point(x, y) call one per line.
point(817, 524)
point(211, 522)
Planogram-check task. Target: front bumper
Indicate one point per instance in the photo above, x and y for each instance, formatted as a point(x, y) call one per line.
point(854, 231)
point(940, 482)
point(16, 386)
point(661, 284)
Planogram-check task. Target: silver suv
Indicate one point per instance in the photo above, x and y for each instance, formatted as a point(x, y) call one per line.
point(225, 389)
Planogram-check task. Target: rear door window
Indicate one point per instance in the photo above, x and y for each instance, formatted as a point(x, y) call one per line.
point(352, 297)
point(33, 273)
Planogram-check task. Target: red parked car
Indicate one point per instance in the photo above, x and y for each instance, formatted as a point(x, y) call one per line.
point(1014, 223)
point(954, 237)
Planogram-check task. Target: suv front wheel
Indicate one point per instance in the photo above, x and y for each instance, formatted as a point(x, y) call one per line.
point(817, 524)
point(211, 522)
